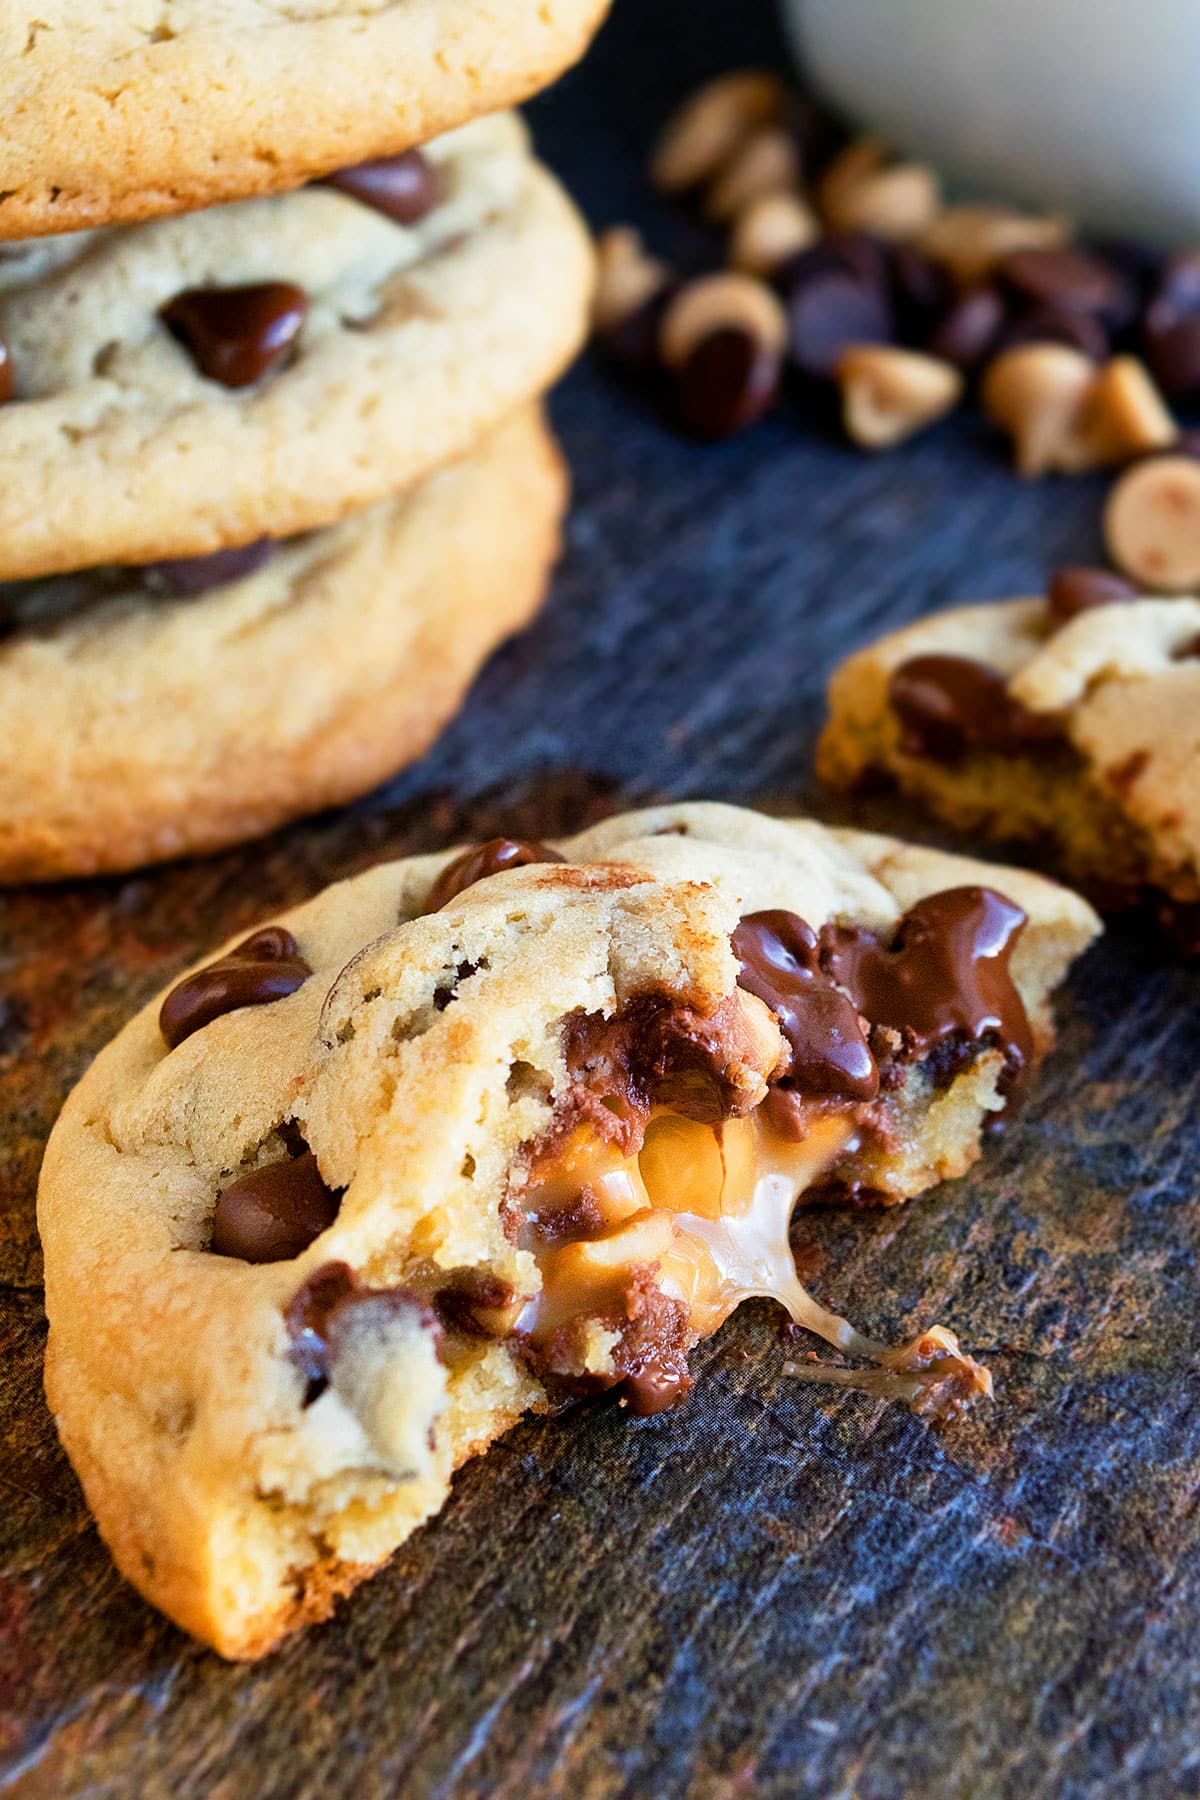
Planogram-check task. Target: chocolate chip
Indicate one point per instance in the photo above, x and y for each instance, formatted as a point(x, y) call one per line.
point(1171, 346)
point(274, 1213)
point(493, 858)
point(235, 335)
point(836, 294)
point(948, 705)
point(332, 1300)
point(1046, 324)
point(778, 954)
point(969, 328)
point(6, 372)
point(632, 344)
point(404, 188)
point(1071, 279)
point(819, 137)
point(267, 966)
point(921, 292)
point(946, 975)
point(727, 382)
point(183, 578)
point(1077, 589)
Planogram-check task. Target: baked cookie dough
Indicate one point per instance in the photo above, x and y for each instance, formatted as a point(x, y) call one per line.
point(470, 1134)
point(137, 725)
point(343, 355)
point(1079, 733)
point(109, 111)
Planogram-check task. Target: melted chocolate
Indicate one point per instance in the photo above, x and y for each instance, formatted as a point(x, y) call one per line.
point(319, 1311)
point(235, 335)
point(267, 966)
point(274, 1213)
point(948, 705)
point(403, 188)
point(481, 860)
point(657, 1052)
point(185, 577)
point(945, 976)
point(779, 957)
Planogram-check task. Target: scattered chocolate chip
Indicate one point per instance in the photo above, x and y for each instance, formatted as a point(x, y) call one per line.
point(778, 954)
point(236, 335)
point(267, 966)
point(946, 975)
point(321, 1312)
point(183, 578)
point(835, 294)
point(632, 344)
point(1072, 279)
point(1141, 263)
point(476, 864)
point(1171, 346)
point(727, 383)
point(403, 188)
point(6, 372)
point(921, 292)
point(275, 1212)
point(1076, 589)
point(970, 327)
point(948, 705)
point(818, 135)
point(1047, 324)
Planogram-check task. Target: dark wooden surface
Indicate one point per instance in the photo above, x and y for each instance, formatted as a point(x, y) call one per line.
point(777, 1590)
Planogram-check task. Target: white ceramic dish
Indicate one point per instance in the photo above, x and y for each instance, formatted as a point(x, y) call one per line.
point(1089, 106)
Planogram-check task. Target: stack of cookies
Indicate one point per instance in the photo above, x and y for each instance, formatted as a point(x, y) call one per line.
point(279, 298)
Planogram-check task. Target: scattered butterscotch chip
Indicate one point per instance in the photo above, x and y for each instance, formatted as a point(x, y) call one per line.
point(1152, 524)
point(769, 231)
point(971, 241)
point(710, 127)
point(627, 277)
point(862, 192)
point(721, 302)
point(1035, 393)
point(767, 163)
point(889, 394)
point(1123, 416)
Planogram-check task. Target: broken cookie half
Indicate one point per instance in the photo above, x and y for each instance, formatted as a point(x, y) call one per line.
point(472, 1135)
point(1075, 730)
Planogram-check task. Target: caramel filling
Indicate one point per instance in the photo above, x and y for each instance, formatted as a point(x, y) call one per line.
point(642, 1255)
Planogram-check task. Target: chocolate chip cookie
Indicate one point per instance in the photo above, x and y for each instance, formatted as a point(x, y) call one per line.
point(1071, 722)
point(477, 1133)
point(114, 112)
point(191, 384)
point(145, 713)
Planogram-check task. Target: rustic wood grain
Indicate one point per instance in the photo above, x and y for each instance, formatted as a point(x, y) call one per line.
point(775, 1591)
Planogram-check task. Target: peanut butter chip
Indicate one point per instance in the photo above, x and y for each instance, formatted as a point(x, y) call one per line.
point(1152, 524)
point(712, 126)
point(1036, 393)
point(889, 394)
point(727, 302)
point(769, 231)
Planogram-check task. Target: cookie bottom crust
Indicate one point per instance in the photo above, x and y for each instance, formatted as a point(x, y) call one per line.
point(143, 730)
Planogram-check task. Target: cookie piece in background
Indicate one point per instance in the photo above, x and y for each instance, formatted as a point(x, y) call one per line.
point(474, 1133)
point(109, 114)
point(1069, 723)
point(147, 713)
point(261, 369)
